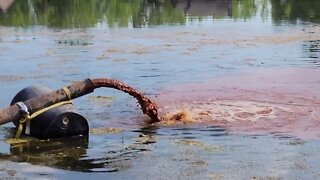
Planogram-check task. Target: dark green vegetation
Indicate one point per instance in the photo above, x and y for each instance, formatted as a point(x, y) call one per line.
point(146, 13)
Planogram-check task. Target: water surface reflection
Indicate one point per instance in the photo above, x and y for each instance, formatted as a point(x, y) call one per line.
point(312, 52)
point(148, 13)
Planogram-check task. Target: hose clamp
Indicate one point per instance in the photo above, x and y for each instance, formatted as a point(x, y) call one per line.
point(23, 109)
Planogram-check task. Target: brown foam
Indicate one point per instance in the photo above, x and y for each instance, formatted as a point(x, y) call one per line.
point(178, 117)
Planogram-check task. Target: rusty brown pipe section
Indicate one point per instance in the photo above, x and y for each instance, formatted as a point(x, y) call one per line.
point(148, 106)
point(78, 89)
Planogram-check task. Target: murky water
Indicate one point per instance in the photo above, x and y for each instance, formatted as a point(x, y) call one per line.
point(245, 71)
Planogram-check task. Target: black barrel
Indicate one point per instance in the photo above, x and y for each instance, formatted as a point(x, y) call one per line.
point(59, 122)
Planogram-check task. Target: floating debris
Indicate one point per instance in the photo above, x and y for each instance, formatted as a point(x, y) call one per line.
point(72, 42)
point(296, 142)
point(146, 139)
point(9, 78)
point(206, 147)
point(15, 141)
point(101, 131)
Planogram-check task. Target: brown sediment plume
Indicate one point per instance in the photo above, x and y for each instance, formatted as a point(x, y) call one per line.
point(179, 117)
point(280, 101)
point(148, 106)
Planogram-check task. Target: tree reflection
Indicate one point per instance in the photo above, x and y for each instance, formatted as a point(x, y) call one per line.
point(146, 13)
point(85, 13)
point(292, 11)
point(114, 13)
point(243, 9)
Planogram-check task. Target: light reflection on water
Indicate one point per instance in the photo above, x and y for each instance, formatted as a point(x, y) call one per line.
point(312, 52)
point(152, 45)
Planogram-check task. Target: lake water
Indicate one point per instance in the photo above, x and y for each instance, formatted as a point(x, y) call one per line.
point(245, 72)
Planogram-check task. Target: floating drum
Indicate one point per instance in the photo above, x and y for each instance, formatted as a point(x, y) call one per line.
point(58, 122)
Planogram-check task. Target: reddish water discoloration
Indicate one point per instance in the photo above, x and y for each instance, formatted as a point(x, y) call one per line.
point(260, 101)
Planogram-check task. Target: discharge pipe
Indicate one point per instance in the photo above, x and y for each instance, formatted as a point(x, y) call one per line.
point(76, 90)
